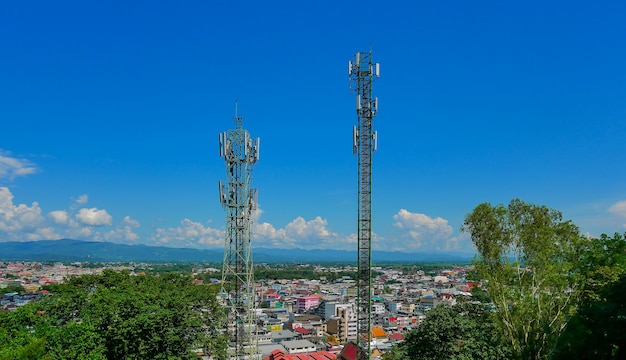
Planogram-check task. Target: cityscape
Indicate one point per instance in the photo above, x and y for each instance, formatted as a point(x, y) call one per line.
point(345, 181)
point(296, 316)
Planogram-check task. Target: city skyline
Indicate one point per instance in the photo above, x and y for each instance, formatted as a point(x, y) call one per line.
point(111, 114)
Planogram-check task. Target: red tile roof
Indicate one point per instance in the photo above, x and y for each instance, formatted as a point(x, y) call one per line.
point(302, 330)
point(320, 355)
point(349, 352)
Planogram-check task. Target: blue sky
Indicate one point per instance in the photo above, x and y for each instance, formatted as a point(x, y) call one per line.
point(110, 114)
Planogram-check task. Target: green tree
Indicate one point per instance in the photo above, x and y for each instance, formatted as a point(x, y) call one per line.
point(480, 295)
point(17, 338)
point(11, 289)
point(465, 331)
point(602, 262)
point(597, 329)
point(528, 257)
point(117, 316)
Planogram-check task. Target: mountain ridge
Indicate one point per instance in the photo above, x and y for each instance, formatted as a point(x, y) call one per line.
point(94, 251)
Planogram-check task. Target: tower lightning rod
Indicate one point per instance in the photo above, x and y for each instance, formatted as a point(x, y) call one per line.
point(362, 71)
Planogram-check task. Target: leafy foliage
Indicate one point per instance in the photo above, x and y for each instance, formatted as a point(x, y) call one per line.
point(597, 330)
point(602, 262)
point(465, 332)
point(528, 256)
point(480, 295)
point(11, 289)
point(115, 316)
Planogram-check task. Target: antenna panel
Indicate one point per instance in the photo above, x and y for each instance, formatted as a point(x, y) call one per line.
point(375, 138)
point(358, 59)
point(358, 102)
point(258, 148)
point(221, 137)
point(349, 67)
point(254, 194)
point(246, 143)
point(222, 198)
point(377, 69)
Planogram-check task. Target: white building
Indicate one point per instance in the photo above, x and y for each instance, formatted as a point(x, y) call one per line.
point(378, 308)
point(298, 346)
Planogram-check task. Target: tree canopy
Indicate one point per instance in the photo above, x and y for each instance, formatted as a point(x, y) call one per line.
point(115, 316)
point(528, 256)
point(462, 332)
point(596, 331)
point(11, 289)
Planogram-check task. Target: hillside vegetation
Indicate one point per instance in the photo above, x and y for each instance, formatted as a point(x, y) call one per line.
point(115, 316)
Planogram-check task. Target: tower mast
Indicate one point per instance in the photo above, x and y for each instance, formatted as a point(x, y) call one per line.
point(362, 71)
point(240, 152)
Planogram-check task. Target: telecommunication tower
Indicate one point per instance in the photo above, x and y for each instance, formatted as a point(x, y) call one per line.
point(240, 152)
point(362, 71)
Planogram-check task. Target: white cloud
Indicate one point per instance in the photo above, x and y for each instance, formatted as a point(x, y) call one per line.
point(45, 233)
point(413, 230)
point(25, 223)
point(300, 228)
point(11, 167)
point(130, 222)
point(189, 234)
point(19, 222)
point(81, 233)
point(267, 234)
point(82, 200)
point(94, 217)
point(420, 231)
point(619, 208)
point(60, 217)
point(300, 233)
point(408, 220)
point(124, 232)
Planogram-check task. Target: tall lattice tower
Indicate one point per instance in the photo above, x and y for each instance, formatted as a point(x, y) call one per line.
point(362, 71)
point(240, 152)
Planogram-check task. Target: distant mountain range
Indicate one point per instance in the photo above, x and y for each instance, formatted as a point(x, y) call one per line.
point(76, 250)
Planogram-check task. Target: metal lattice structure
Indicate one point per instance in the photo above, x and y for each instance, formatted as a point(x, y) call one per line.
point(362, 71)
point(240, 152)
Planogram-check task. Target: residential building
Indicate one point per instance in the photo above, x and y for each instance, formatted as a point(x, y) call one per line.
point(305, 303)
point(298, 346)
point(344, 325)
point(378, 308)
point(283, 335)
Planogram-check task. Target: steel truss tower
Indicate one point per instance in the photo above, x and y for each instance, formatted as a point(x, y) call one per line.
point(240, 152)
point(362, 71)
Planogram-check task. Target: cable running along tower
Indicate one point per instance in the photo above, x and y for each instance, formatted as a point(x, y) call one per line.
point(362, 71)
point(240, 152)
